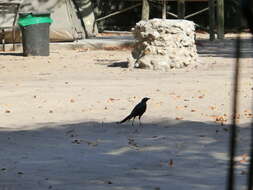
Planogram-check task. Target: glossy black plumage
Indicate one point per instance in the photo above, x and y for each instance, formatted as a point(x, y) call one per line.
point(138, 110)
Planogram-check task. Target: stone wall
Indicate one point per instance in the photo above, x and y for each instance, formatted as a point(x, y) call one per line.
point(164, 44)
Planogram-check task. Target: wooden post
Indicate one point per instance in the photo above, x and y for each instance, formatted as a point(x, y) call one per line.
point(164, 10)
point(211, 19)
point(181, 9)
point(145, 10)
point(220, 19)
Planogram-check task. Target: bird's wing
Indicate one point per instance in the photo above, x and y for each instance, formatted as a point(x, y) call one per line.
point(138, 109)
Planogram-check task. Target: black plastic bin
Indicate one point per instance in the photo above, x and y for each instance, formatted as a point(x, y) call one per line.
point(35, 33)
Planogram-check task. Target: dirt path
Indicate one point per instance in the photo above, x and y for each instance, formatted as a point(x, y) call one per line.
point(58, 117)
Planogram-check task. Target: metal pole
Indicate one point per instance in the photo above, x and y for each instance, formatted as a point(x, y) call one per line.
point(247, 6)
point(250, 169)
point(232, 146)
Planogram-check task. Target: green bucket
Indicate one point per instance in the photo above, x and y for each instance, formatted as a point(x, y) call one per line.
point(26, 19)
point(35, 28)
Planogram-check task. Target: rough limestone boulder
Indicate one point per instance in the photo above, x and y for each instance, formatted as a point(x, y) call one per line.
point(164, 44)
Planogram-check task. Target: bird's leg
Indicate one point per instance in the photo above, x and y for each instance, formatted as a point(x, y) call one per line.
point(140, 121)
point(133, 121)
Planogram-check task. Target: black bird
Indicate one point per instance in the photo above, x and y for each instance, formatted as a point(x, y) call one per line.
point(138, 110)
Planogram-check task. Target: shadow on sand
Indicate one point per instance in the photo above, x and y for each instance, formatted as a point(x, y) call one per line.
point(11, 54)
point(224, 48)
point(93, 155)
point(123, 64)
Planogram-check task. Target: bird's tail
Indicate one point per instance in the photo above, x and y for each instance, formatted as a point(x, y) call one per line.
point(126, 119)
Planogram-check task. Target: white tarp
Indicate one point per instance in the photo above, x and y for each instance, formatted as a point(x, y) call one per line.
point(66, 25)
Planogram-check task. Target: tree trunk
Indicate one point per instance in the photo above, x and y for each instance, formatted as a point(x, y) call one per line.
point(211, 5)
point(220, 20)
point(164, 10)
point(145, 10)
point(86, 13)
point(181, 9)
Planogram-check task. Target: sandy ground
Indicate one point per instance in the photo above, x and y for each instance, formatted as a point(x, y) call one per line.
point(58, 114)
